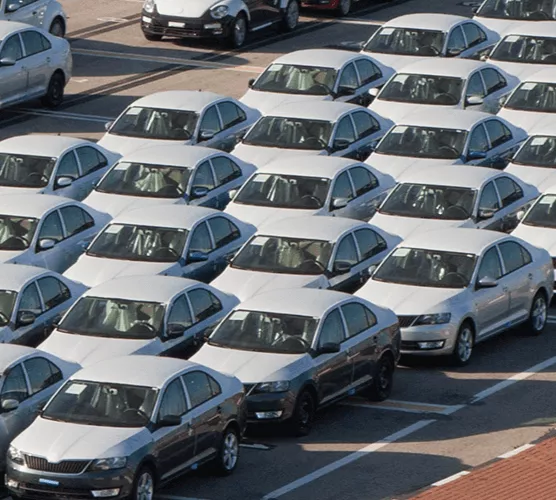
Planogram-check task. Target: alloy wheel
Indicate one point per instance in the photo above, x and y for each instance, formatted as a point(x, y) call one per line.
point(240, 29)
point(292, 15)
point(230, 451)
point(145, 487)
point(465, 344)
point(539, 313)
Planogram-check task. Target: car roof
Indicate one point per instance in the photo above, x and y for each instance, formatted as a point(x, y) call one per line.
point(456, 67)
point(161, 289)
point(329, 111)
point(308, 166)
point(538, 28)
point(177, 155)
point(51, 146)
point(14, 276)
point(450, 175)
point(170, 216)
point(310, 302)
point(444, 118)
point(187, 100)
point(9, 27)
point(327, 58)
point(310, 227)
point(30, 205)
point(426, 21)
point(12, 353)
point(547, 75)
point(462, 240)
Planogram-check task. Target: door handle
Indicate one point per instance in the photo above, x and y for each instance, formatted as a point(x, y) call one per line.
point(353, 356)
point(35, 13)
point(219, 409)
point(530, 275)
point(505, 289)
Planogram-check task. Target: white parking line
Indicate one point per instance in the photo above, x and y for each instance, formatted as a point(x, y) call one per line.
point(451, 478)
point(163, 496)
point(403, 406)
point(516, 451)
point(64, 114)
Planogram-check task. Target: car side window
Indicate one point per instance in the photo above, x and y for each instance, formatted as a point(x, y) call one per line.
point(32, 41)
point(198, 388)
point(345, 131)
point(494, 81)
point(173, 402)
point(15, 385)
point(52, 228)
point(497, 132)
point(370, 243)
point(489, 198)
point(200, 239)
point(348, 78)
point(12, 48)
point(67, 166)
point(509, 190)
point(223, 231)
point(231, 114)
point(456, 42)
point(475, 86)
point(42, 373)
point(210, 122)
point(53, 292)
point(358, 318)
point(478, 142)
point(365, 124)
point(203, 177)
point(368, 72)
point(30, 300)
point(346, 251)
point(363, 180)
point(204, 304)
point(342, 187)
point(90, 159)
point(491, 266)
point(474, 34)
point(180, 313)
point(225, 170)
point(512, 255)
point(332, 331)
point(76, 220)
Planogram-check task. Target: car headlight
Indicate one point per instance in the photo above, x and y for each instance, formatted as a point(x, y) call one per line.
point(15, 455)
point(109, 463)
point(148, 6)
point(433, 319)
point(279, 386)
point(219, 11)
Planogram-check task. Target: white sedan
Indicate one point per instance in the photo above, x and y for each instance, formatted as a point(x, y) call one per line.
point(46, 14)
point(316, 75)
point(179, 117)
point(155, 315)
point(306, 252)
point(170, 174)
point(458, 196)
point(46, 231)
point(443, 84)
point(52, 164)
point(310, 185)
point(447, 137)
point(170, 240)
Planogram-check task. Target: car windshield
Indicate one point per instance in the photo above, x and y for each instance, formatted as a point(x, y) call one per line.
point(430, 202)
point(141, 179)
point(423, 89)
point(142, 243)
point(289, 133)
point(406, 42)
point(543, 212)
point(114, 318)
point(102, 404)
point(530, 96)
point(152, 123)
point(531, 10)
point(430, 268)
point(292, 79)
point(538, 151)
point(284, 191)
point(7, 302)
point(526, 49)
point(274, 254)
point(423, 142)
point(265, 332)
point(16, 233)
point(25, 170)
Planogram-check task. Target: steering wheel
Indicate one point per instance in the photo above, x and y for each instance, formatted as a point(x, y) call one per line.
point(451, 149)
point(170, 250)
point(428, 50)
point(455, 211)
point(295, 342)
point(136, 411)
point(24, 241)
point(313, 199)
point(34, 175)
point(315, 141)
point(458, 276)
point(319, 88)
point(539, 15)
point(446, 99)
point(143, 324)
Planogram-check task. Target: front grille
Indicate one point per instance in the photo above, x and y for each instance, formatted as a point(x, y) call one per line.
point(406, 321)
point(37, 491)
point(410, 346)
point(63, 467)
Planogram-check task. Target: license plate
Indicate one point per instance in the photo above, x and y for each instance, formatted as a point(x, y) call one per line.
point(50, 482)
point(172, 24)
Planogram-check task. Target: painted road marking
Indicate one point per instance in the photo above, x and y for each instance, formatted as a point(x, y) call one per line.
point(451, 478)
point(163, 496)
point(112, 19)
point(516, 451)
point(403, 406)
point(256, 446)
point(63, 114)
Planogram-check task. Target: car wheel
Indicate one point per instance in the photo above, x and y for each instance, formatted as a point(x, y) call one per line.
point(291, 16)
point(538, 314)
point(226, 461)
point(464, 345)
point(238, 32)
point(304, 414)
point(55, 91)
point(57, 28)
point(344, 6)
point(143, 487)
point(383, 380)
point(152, 38)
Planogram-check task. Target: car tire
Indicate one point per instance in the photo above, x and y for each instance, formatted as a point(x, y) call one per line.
point(228, 454)
point(55, 91)
point(383, 379)
point(303, 416)
point(238, 31)
point(538, 314)
point(463, 348)
point(57, 27)
point(291, 16)
point(344, 7)
point(143, 485)
point(152, 38)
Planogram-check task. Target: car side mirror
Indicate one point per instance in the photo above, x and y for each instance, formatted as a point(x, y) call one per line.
point(372, 269)
point(484, 57)
point(12, 7)
point(345, 91)
point(63, 181)
point(10, 405)
point(108, 126)
point(7, 61)
point(232, 193)
point(199, 192)
point(193, 257)
point(374, 91)
point(520, 215)
point(453, 52)
point(328, 348)
point(341, 267)
point(476, 155)
point(339, 203)
point(340, 144)
point(46, 244)
point(206, 135)
point(174, 330)
point(251, 82)
point(486, 282)
point(475, 9)
point(486, 213)
point(474, 100)
point(25, 318)
point(169, 421)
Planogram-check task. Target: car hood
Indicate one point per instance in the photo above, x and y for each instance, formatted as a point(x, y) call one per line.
point(541, 178)
point(261, 215)
point(406, 226)
point(501, 26)
point(526, 120)
point(267, 101)
point(6, 335)
point(126, 145)
point(252, 367)
point(22, 190)
point(8, 256)
point(179, 8)
point(395, 166)
point(542, 237)
point(92, 271)
point(519, 70)
point(396, 61)
point(259, 155)
point(115, 204)
point(397, 111)
point(58, 441)
point(244, 284)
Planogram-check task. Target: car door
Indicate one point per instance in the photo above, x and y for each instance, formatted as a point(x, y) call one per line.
point(488, 209)
point(44, 379)
point(234, 123)
point(345, 270)
point(344, 139)
point(262, 12)
point(93, 165)
point(502, 144)
point(67, 167)
point(455, 46)
point(13, 77)
point(37, 60)
point(342, 197)
point(372, 249)
point(367, 130)
point(24, 11)
point(370, 76)
point(478, 146)
point(496, 86)
point(347, 88)
point(202, 186)
point(79, 232)
point(29, 301)
point(228, 176)
point(475, 39)
point(179, 319)
point(56, 298)
point(51, 231)
point(511, 199)
point(198, 263)
point(364, 183)
point(210, 128)
point(226, 237)
point(475, 93)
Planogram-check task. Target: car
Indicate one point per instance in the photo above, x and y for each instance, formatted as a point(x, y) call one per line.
point(316, 75)
point(525, 49)
point(169, 174)
point(46, 14)
point(29, 378)
point(52, 164)
point(339, 7)
point(230, 20)
point(533, 101)
point(446, 137)
point(443, 84)
point(456, 287)
point(32, 299)
point(297, 351)
point(37, 65)
point(412, 37)
point(310, 185)
point(171, 240)
point(154, 315)
point(329, 128)
point(461, 196)
point(306, 252)
point(46, 231)
point(125, 426)
point(179, 117)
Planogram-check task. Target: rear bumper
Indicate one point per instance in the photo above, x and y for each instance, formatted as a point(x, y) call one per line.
point(203, 27)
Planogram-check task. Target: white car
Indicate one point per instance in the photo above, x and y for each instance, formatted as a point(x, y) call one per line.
point(46, 231)
point(533, 101)
point(443, 84)
point(412, 37)
point(52, 164)
point(316, 75)
point(310, 185)
point(458, 196)
point(32, 299)
point(156, 315)
point(46, 14)
point(324, 128)
point(454, 288)
point(33, 65)
point(171, 240)
point(306, 252)
point(447, 137)
point(170, 174)
point(179, 117)
point(29, 378)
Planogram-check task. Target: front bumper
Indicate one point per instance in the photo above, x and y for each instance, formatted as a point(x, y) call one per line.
point(202, 27)
point(269, 406)
point(414, 336)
